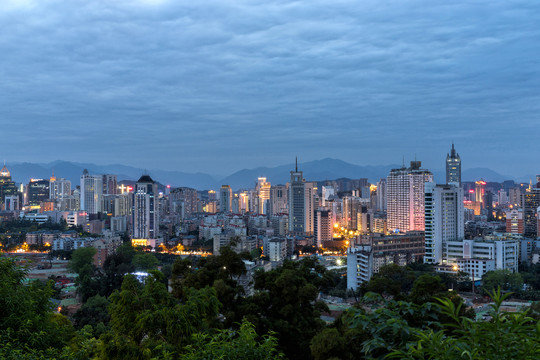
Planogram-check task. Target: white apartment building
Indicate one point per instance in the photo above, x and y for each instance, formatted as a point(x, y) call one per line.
point(91, 192)
point(444, 220)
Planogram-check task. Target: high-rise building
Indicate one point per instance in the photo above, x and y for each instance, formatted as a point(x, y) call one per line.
point(310, 193)
point(59, 188)
point(350, 208)
point(405, 198)
point(514, 221)
point(263, 195)
point(37, 191)
point(225, 199)
point(278, 199)
point(480, 192)
point(7, 187)
point(444, 220)
point(327, 192)
point(514, 196)
point(322, 226)
point(503, 197)
point(381, 195)
point(297, 215)
point(531, 203)
point(183, 202)
point(91, 192)
point(145, 212)
point(110, 184)
point(453, 167)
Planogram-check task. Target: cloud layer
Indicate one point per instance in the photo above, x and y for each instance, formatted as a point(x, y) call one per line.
point(220, 85)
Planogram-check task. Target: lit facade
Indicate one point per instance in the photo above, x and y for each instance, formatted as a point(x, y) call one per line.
point(405, 198)
point(145, 211)
point(453, 167)
point(91, 193)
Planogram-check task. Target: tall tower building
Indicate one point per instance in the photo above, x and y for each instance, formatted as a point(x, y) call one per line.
point(278, 199)
point(444, 220)
point(405, 198)
point(59, 188)
point(310, 192)
point(531, 203)
point(453, 167)
point(480, 191)
point(263, 195)
point(322, 226)
point(110, 184)
point(145, 211)
point(297, 210)
point(7, 186)
point(91, 192)
point(37, 191)
point(381, 195)
point(225, 199)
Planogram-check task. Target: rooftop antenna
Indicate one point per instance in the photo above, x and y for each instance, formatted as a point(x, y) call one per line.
point(403, 164)
point(297, 164)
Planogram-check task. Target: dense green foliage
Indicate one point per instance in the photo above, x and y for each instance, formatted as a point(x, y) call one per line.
point(404, 313)
point(27, 320)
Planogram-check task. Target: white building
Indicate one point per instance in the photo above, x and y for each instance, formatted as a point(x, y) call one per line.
point(145, 212)
point(277, 249)
point(91, 193)
point(77, 218)
point(59, 189)
point(476, 257)
point(359, 266)
point(444, 220)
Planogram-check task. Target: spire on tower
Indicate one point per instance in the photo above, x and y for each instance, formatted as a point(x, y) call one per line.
point(296, 164)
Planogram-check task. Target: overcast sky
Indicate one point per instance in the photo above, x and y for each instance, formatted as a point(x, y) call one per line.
point(220, 85)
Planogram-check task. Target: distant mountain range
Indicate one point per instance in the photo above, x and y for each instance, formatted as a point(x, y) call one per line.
point(318, 170)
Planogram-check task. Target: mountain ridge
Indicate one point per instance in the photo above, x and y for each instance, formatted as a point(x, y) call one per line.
point(316, 170)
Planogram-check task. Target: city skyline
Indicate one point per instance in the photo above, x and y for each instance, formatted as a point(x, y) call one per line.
point(163, 84)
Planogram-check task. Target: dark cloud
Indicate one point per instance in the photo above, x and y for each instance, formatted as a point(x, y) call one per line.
point(220, 85)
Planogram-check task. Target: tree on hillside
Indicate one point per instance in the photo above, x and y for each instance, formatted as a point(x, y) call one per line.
point(145, 261)
point(505, 279)
point(81, 259)
point(27, 319)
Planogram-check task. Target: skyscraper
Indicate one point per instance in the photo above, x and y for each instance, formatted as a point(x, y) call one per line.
point(59, 188)
point(263, 195)
point(322, 226)
point(531, 203)
point(310, 192)
point(453, 167)
point(278, 199)
point(444, 220)
point(7, 186)
point(145, 214)
point(110, 184)
point(297, 215)
point(405, 198)
point(225, 199)
point(37, 191)
point(91, 192)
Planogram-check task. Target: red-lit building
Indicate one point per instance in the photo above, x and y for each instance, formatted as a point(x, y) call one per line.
point(514, 221)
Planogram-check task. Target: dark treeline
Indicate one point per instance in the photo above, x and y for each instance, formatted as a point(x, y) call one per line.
point(403, 312)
